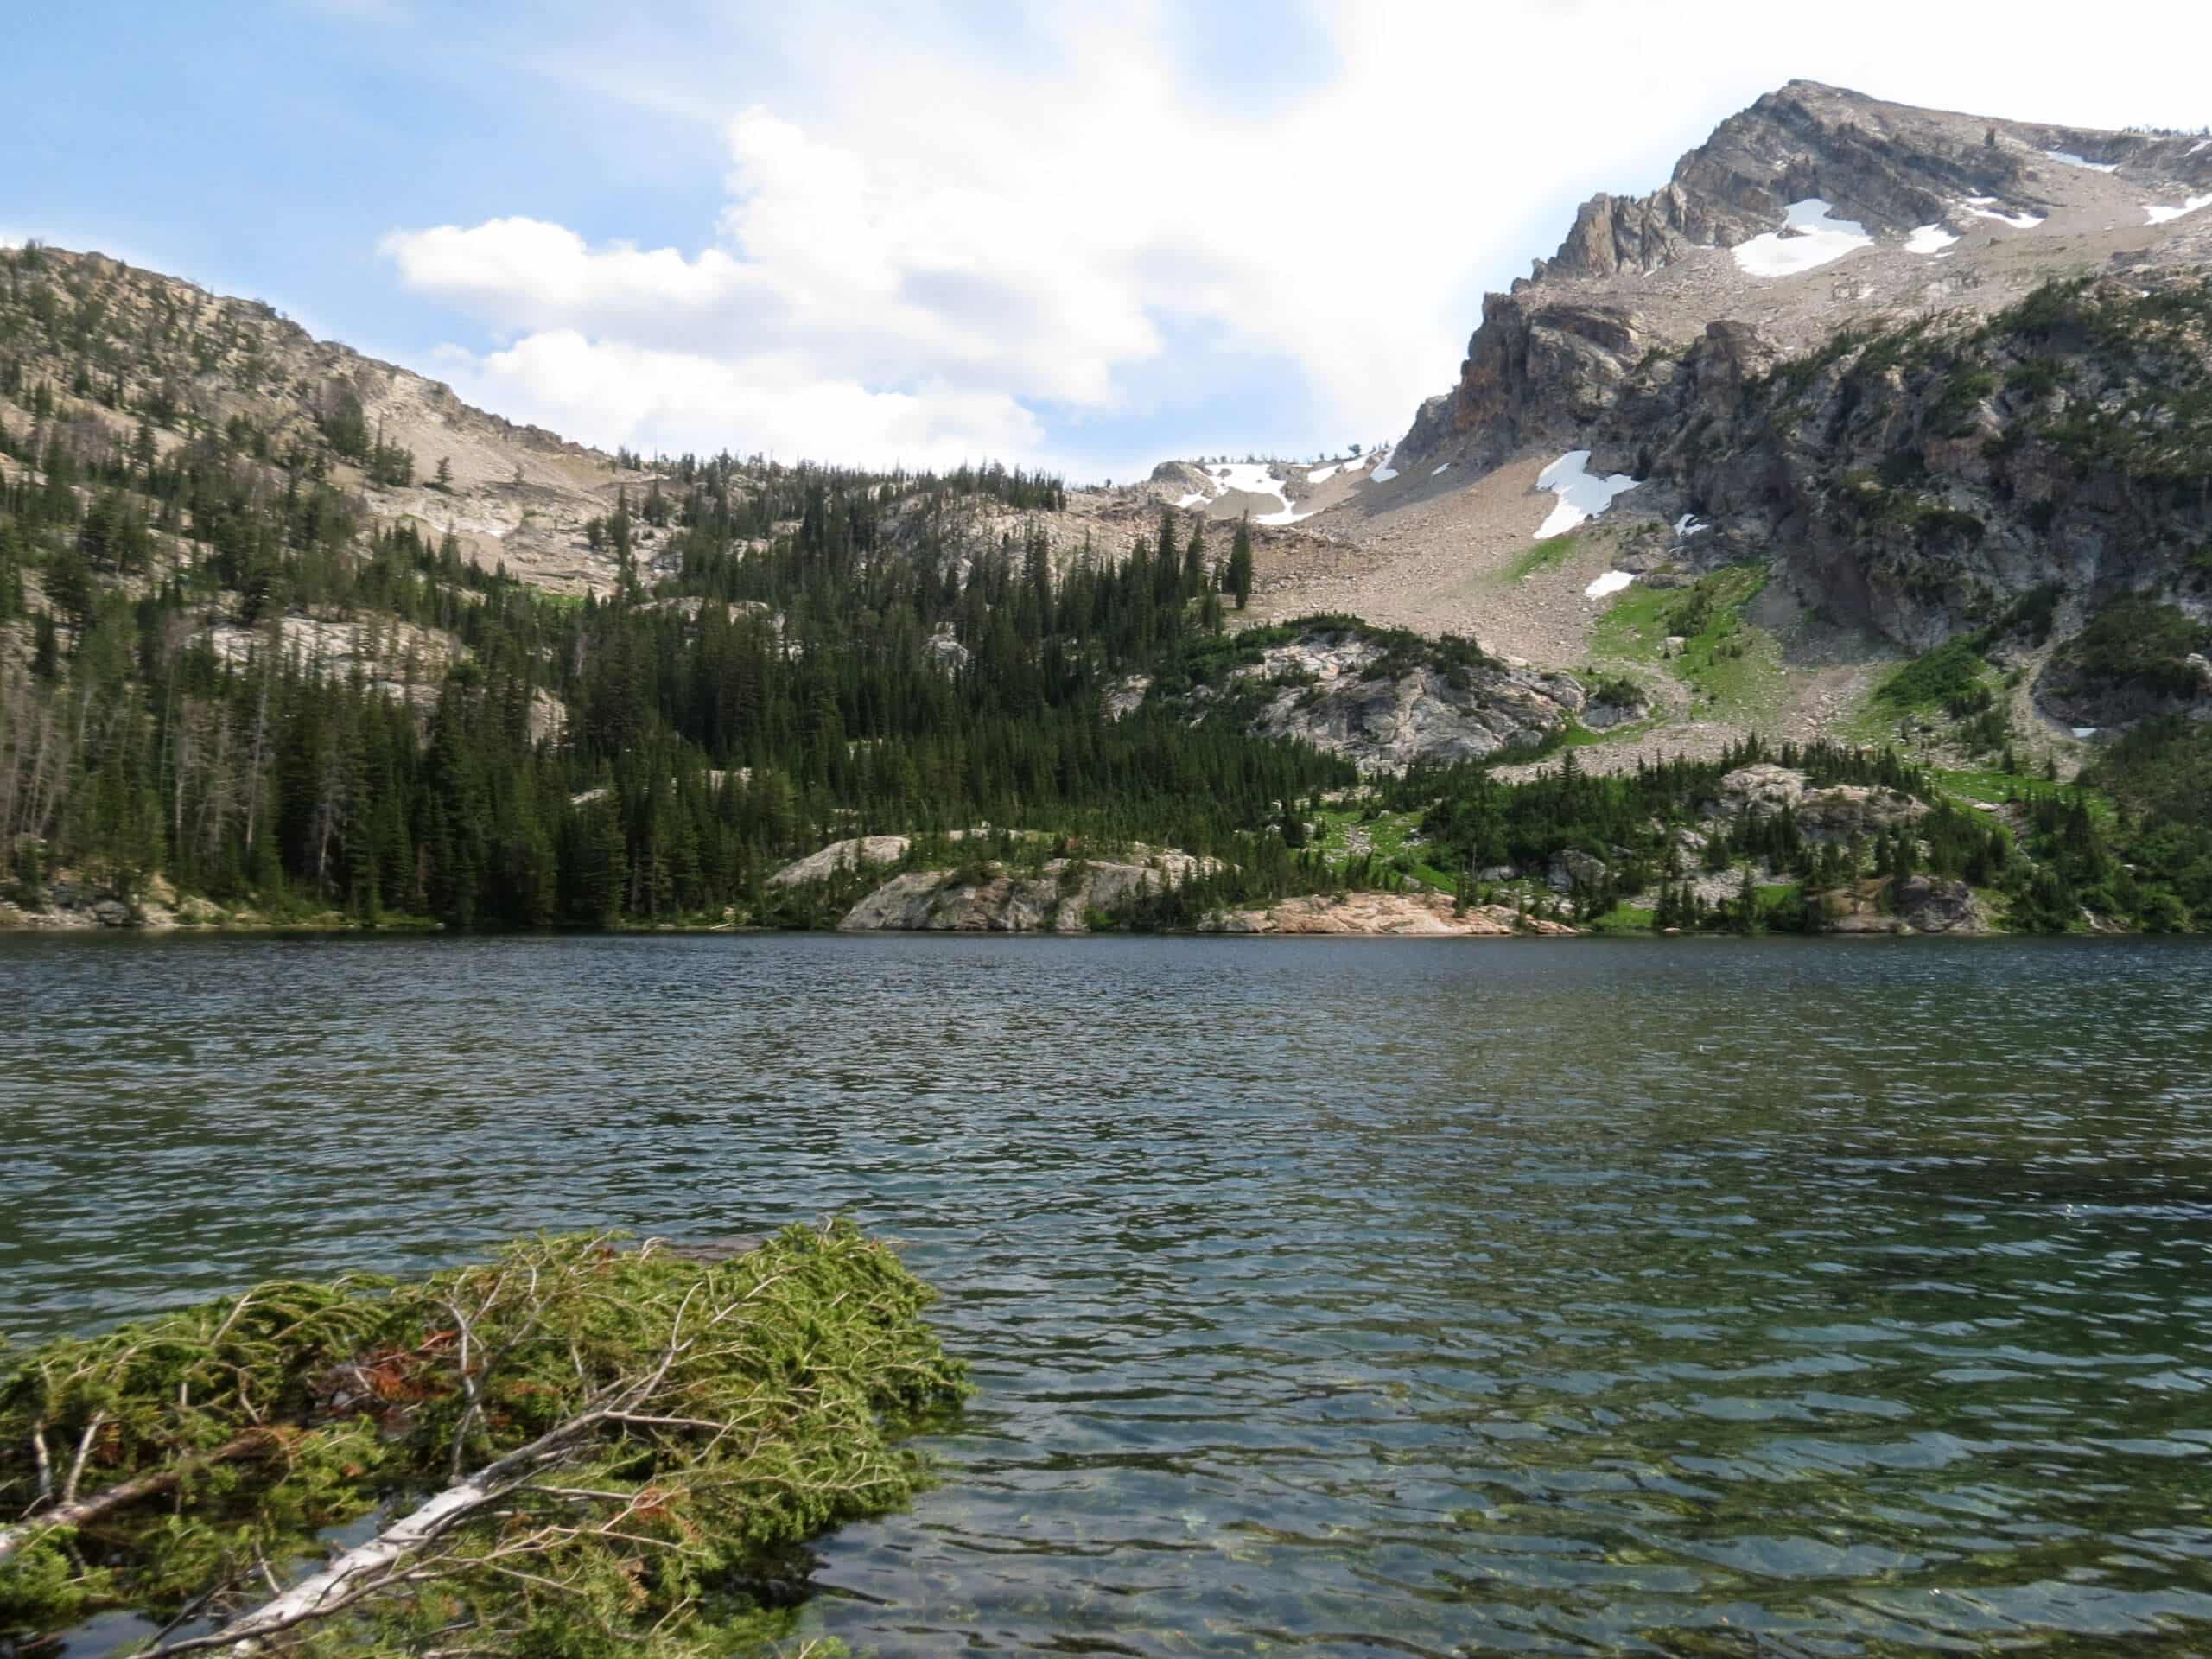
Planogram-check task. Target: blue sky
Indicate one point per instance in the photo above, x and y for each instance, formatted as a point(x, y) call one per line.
point(1088, 237)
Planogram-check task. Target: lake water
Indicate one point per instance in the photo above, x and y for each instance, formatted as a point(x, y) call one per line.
point(1363, 1297)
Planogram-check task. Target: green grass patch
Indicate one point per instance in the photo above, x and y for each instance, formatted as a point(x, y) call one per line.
point(1634, 624)
point(1548, 554)
point(1949, 673)
point(1622, 918)
point(1989, 783)
point(1736, 666)
point(1388, 843)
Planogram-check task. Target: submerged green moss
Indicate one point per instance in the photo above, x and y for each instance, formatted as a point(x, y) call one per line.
point(763, 1396)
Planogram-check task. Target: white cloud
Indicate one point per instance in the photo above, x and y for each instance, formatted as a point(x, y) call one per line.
point(665, 400)
point(965, 248)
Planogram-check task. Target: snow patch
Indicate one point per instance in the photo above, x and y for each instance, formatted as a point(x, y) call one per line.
point(2160, 215)
point(1928, 239)
point(1196, 498)
point(2086, 731)
point(1321, 474)
point(1808, 237)
point(1440, 469)
point(1386, 472)
point(2202, 143)
point(1979, 207)
point(2072, 160)
point(1688, 525)
point(1580, 495)
point(1612, 583)
point(1257, 478)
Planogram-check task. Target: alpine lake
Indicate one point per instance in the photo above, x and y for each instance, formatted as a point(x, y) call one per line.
point(1355, 1297)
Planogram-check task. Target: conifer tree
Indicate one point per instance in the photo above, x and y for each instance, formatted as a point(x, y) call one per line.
point(1238, 576)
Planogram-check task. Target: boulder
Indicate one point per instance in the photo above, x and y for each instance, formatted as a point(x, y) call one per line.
point(1928, 903)
point(1934, 905)
point(1763, 791)
point(1571, 866)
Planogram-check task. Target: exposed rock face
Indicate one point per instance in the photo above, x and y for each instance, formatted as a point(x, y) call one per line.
point(1398, 914)
point(395, 658)
point(1927, 904)
point(1338, 694)
point(1553, 352)
point(1916, 491)
point(1834, 813)
point(1126, 696)
point(1927, 484)
point(2156, 679)
point(1571, 866)
point(842, 856)
point(1173, 481)
point(1538, 370)
point(1884, 166)
point(1058, 899)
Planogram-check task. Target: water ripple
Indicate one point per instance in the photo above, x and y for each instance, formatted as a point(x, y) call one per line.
point(1371, 1297)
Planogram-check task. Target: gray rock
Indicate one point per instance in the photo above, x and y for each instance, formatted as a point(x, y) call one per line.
point(1834, 813)
point(1058, 898)
point(838, 856)
point(1570, 866)
point(1384, 724)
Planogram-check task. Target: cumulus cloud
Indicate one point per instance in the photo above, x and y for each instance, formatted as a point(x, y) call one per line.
point(981, 251)
point(674, 400)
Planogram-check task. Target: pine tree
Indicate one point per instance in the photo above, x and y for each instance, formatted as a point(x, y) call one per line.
point(1194, 561)
point(1237, 577)
point(46, 648)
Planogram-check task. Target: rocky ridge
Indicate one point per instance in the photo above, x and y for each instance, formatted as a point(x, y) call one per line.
point(1651, 273)
point(1385, 701)
point(1972, 398)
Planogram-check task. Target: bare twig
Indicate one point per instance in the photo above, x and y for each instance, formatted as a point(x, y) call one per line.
point(93, 1427)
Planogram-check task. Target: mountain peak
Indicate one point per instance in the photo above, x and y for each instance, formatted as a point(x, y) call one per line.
point(1815, 207)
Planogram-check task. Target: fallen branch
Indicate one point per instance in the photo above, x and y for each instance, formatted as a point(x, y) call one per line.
point(77, 1513)
point(640, 1426)
point(366, 1567)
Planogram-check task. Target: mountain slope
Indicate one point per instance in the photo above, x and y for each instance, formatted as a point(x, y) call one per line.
point(1923, 376)
point(129, 349)
point(1713, 244)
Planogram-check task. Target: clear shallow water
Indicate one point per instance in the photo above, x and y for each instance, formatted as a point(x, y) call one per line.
point(1360, 1296)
